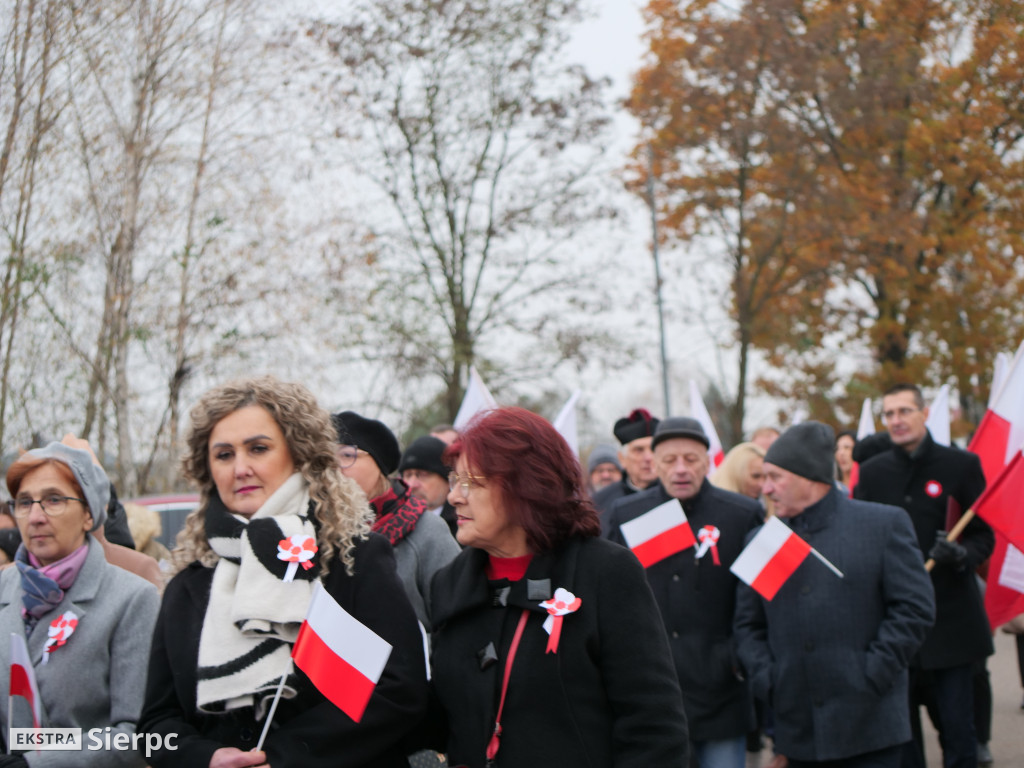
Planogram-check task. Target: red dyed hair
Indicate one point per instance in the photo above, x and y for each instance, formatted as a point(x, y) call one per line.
point(539, 481)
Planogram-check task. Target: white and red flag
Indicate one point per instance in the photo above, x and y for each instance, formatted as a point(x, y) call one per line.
point(1002, 427)
point(1000, 503)
point(23, 677)
point(343, 657)
point(770, 558)
point(700, 413)
point(478, 399)
point(659, 533)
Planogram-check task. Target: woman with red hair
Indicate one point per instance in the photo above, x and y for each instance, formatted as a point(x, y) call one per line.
point(548, 647)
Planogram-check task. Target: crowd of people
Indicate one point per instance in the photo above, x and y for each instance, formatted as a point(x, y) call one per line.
point(525, 625)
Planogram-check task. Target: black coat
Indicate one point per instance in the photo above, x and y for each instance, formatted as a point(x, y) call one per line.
point(308, 730)
point(606, 699)
point(830, 654)
point(922, 483)
point(697, 599)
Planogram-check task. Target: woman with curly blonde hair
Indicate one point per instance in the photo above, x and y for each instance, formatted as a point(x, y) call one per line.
point(275, 516)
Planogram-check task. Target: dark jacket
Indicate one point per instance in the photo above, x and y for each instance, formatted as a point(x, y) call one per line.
point(607, 496)
point(830, 654)
point(308, 730)
point(697, 599)
point(922, 483)
point(607, 698)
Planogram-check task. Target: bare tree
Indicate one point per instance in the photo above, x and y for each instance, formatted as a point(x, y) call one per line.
point(484, 146)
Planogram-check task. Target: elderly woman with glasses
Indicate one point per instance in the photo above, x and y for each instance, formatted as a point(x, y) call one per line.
point(86, 623)
point(276, 524)
point(548, 648)
point(368, 452)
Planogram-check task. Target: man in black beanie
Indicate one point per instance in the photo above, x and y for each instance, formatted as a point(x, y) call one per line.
point(423, 470)
point(635, 433)
point(830, 653)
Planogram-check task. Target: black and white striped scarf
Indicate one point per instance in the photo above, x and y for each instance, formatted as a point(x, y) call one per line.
point(253, 616)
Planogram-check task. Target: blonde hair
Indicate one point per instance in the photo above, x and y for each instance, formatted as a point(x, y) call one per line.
point(732, 472)
point(342, 511)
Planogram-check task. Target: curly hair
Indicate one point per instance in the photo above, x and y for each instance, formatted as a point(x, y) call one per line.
point(342, 510)
point(539, 480)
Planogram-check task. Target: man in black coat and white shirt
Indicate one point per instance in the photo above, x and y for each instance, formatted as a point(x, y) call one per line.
point(829, 652)
point(922, 477)
point(696, 592)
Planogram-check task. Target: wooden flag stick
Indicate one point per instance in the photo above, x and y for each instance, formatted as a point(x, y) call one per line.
point(824, 559)
point(954, 534)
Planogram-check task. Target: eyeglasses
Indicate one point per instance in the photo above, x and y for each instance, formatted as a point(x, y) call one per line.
point(901, 412)
point(455, 480)
point(347, 455)
point(53, 505)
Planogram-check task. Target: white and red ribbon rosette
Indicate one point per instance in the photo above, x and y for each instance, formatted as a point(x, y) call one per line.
point(59, 631)
point(558, 606)
point(708, 537)
point(296, 550)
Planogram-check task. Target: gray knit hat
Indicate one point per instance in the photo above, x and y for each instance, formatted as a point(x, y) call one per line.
point(603, 454)
point(90, 476)
point(806, 449)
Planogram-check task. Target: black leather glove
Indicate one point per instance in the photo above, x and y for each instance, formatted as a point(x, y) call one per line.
point(13, 761)
point(943, 552)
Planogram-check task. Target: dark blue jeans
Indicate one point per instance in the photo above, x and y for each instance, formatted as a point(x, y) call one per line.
point(949, 695)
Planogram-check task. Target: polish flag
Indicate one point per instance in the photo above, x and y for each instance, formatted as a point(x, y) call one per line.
point(999, 504)
point(700, 413)
point(23, 677)
point(478, 399)
point(659, 533)
point(1002, 427)
point(565, 423)
point(864, 428)
point(770, 558)
point(343, 658)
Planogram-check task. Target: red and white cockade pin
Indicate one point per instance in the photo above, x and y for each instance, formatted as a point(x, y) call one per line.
point(558, 606)
point(933, 488)
point(708, 537)
point(296, 550)
point(59, 631)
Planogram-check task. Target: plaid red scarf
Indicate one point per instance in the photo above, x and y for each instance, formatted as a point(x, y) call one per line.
point(397, 512)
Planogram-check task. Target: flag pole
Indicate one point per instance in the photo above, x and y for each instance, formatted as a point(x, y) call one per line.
point(824, 559)
point(953, 534)
point(270, 714)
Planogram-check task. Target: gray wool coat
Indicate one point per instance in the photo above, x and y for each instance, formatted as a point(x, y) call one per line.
point(831, 654)
point(98, 677)
point(419, 555)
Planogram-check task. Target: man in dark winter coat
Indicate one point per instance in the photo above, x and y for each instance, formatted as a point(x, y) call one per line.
point(923, 478)
point(423, 470)
point(830, 653)
point(635, 432)
point(696, 592)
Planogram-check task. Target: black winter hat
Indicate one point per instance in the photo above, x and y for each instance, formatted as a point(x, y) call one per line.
point(425, 453)
point(806, 449)
point(638, 424)
point(680, 426)
point(371, 436)
point(10, 540)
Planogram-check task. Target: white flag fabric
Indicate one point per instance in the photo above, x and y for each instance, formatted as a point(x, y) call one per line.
point(938, 417)
point(565, 423)
point(1002, 367)
point(477, 399)
point(699, 411)
point(867, 420)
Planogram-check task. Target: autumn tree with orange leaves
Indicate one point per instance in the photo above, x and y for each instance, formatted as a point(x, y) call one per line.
point(859, 167)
